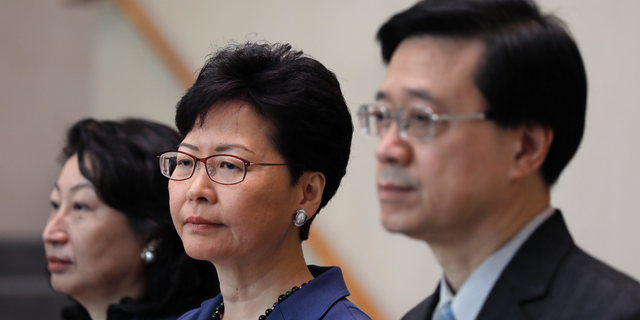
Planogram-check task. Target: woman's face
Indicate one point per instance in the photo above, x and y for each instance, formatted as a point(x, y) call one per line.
point(92, 251)
point(235, 223)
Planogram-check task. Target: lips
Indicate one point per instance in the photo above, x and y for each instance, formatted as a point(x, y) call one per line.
point(198, 223)
point(394, 192)
point(57, 264)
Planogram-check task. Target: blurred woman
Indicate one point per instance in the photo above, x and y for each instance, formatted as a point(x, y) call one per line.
point(110, 241)
point(267, 142)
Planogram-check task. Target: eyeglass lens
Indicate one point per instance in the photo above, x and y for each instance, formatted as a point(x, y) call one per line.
point(411, 122)
point(221, 168)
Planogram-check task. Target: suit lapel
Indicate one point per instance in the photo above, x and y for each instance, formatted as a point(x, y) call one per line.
point(424, 310)
point(530, 272)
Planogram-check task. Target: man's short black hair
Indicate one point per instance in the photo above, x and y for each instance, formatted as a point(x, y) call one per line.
point(298, 97)
point(532, 72)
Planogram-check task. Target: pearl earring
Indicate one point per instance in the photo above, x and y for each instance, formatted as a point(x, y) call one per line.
point(147, 255)
point(299, 218)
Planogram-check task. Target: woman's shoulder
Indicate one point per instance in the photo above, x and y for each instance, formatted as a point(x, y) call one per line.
point(345, 309)
point(204, 312)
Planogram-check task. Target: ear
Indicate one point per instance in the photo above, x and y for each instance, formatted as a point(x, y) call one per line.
point(155, 242)
point(312, 185)
point(531, 150)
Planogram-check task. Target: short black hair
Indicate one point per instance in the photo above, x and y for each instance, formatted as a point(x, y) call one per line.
point(532, 73)
point(298, 97)
point(119, 158)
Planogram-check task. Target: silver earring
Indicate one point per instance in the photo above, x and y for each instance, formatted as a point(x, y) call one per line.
point(299, 218)
point(147, 255)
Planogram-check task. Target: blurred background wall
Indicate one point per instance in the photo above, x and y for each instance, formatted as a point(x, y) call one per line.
point(61, 61)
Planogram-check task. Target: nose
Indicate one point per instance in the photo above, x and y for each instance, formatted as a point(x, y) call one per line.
point(202, 187)
point(55, 232)
point(392, 149)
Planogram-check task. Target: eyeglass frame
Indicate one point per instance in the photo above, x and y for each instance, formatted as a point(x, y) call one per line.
point(245, 162)
point(396, 115)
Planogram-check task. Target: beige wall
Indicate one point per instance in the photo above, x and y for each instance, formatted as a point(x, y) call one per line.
point(106, 71)
point(45, 58)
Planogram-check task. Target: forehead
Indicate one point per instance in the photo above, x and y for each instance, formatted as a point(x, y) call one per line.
point(231, 123)
point(432, 68)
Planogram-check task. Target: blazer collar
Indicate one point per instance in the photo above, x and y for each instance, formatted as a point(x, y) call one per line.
point(424, 310)
point(327, 288)
point(530, 272)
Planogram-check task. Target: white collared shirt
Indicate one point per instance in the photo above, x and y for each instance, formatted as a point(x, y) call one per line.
point(467, 303)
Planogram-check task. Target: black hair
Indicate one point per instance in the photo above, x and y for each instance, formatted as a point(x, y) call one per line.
point(119, 158)
point(298, 97)
point(532, 73)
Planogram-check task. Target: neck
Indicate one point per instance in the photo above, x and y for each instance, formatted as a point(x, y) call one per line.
point(98, 301)
point(97, 308)
point(465, 250)
point(250, 287)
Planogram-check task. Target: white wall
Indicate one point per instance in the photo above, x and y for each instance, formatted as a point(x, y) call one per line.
point(596, 192)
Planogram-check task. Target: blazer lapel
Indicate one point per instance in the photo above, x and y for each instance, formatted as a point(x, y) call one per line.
point(424, 310)
point(530, 272)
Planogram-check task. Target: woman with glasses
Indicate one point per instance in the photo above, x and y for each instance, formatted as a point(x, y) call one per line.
point(267, 142)
point(110, 240)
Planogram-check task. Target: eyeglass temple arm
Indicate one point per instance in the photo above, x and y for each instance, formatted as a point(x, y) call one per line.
point(457, 117)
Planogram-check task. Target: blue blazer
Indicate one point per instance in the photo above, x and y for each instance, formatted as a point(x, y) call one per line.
point(325, 297)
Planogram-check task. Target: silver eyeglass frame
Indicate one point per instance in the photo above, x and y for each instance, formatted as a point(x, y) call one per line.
point(402, 125)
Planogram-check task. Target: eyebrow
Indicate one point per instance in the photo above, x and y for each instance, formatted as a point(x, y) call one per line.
point(220, 148)
point(188, 146)
point(76, 187)
point(415, 93)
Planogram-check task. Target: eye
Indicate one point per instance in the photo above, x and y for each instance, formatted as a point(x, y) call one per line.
point(379, 116)
point(229, 166)
point(55, 206)
point(419, 117)
point(79, 206)
point(185, 162)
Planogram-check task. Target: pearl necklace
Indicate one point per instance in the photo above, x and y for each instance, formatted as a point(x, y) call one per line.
point(219, 312)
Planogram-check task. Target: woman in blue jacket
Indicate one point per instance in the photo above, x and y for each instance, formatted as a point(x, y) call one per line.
point(267, 142)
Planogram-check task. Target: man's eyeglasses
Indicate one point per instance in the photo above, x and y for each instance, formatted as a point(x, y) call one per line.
point(413, 123)
point(221, 168)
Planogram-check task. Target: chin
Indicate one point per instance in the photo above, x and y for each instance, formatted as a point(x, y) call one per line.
point(199, 249)
point(393, 221)
point(60, 284)
point(404, 222)
point(195, 251)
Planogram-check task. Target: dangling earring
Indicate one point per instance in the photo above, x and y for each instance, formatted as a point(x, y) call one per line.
point(299, 218)
point(147, 254)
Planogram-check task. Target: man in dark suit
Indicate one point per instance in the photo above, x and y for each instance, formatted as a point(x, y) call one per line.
point(482, 107)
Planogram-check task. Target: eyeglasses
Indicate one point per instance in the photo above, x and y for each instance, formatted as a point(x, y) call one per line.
point(221, 168)
point(413, 123)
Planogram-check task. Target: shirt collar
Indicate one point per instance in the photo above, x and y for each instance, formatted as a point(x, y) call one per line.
point(468, 301)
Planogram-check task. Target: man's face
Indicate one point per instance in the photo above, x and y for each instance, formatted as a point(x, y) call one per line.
point(448, 186)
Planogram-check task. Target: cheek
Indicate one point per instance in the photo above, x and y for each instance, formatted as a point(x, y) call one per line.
point(177, 198)
point(111, 247)
point(103, 257)
point(263, 206)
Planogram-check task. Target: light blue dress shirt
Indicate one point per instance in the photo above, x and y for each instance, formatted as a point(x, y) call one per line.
point(468, 301)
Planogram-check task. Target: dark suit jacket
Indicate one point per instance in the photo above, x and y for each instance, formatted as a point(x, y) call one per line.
point(551, 278)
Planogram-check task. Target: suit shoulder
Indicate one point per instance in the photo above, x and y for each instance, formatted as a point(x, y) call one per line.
point(587, 288)
point(345, 309)
point(599, 276)
point(193, 314)
point(422, 311)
